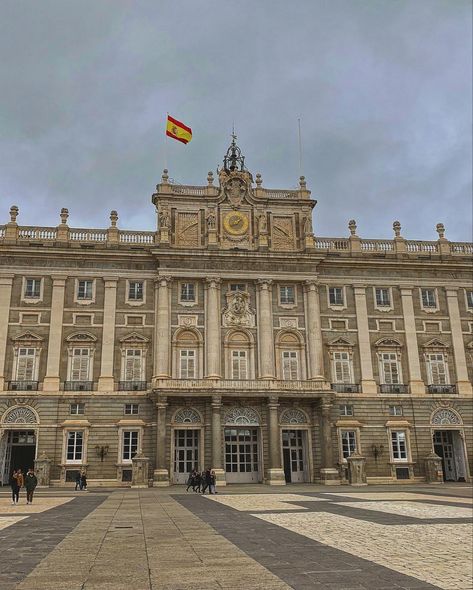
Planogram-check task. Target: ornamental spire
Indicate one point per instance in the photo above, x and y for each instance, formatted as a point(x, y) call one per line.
point(233, 159)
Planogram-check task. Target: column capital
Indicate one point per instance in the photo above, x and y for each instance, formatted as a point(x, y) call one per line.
point(326, 407)
point(264, 284)
point(6, 279)
point(359, 289)
point(216, 402)
point(273, 402)
point(163, 281)
point(311, 285)
point(162, 403)
point(212, 282)
point(59, 280)
point(451, 291)
point(110, 282)
point(406, 289)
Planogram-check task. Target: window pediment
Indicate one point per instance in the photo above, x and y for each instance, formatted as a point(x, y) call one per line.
point(388, 343)
point(82, 337)
point(435, 343)
point(340, 343)
point(27, 338)
point(134, 338)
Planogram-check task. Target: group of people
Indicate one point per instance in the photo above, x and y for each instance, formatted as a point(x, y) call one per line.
point(81, 481)
point(200, 481)
point(18, 481)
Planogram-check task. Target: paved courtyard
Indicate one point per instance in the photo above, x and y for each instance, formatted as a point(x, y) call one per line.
point(299, 537)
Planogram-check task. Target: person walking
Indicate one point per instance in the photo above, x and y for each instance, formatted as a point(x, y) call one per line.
point(78, 484)
point(197, 482)
point(83, 481)
point(191, 480)
point(16, 480)
point(31, 481)
point(213, 484)
point(207, 480)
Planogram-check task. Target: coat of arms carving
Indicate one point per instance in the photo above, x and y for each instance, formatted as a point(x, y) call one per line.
point(238, 311)
point(235, 189)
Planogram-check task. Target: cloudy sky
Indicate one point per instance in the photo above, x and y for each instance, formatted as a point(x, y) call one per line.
point(383, 89)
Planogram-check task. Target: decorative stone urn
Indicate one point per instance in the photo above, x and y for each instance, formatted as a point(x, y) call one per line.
point(357, 469)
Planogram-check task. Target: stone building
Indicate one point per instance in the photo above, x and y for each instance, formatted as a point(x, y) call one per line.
point(234, 338)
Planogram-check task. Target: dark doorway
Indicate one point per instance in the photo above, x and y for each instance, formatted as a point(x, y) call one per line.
point(22, 453)
point(287, 465)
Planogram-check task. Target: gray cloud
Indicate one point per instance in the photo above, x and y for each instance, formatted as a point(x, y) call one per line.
point(383, 88)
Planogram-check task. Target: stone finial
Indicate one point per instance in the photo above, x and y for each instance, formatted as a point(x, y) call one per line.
point(259, 181)
point(397, 229)
point(64, 215)
point(165, 176)
point(441, 230)
point(113, 218)
point(210, 178)
point(13, 213)
point(302, 183)
point(352, 227)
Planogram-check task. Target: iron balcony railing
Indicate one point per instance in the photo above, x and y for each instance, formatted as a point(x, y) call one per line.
point(441, 389)
point(23, 385)
point(78, 385)
point(132, 385)
point(346, 387)
point(393, 388)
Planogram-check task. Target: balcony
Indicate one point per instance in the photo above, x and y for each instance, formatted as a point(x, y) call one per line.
point(132, 386)
point(393, 388)
point(346, 387)
point(241, 385)
point(23, 385)
point(78, 385)
point(441, 389)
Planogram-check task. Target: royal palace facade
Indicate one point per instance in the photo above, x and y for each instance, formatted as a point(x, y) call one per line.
point(233, 338)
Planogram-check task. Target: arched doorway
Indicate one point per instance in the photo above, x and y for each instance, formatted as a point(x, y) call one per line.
point(18, 441)
point(242, 446)
point(448, 443)
point(187, 435)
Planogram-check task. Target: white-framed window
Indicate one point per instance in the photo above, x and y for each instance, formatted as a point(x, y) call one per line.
point(428, 299)
point(395, 410)
point(437, 369)
point(348, 439)
point(80, 364)
point(187, 293)
point(342, 367)
point(346, 410)
point(399, 445)
point(32, 288)
point(133, 369)
point(336, 296)
point(131, 409)
point(239, 364)
point(390, 370)
point(469, 299)
point(77, 408)
point(130, 440)
point(26, 364)
point(136, 292)
point(287, 295)
point(290, 365)
point(187, 364)
point(74, 446)
point(237, 287)
point(382, 297)
point(85, 290)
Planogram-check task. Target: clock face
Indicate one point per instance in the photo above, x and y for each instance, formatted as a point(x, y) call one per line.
point(236, 223)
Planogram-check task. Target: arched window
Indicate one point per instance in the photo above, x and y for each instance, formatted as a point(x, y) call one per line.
point(239, 357)
point(187, 416)
point(290, 357)
point(293, 416)
point(243, 416)
point(188, 346)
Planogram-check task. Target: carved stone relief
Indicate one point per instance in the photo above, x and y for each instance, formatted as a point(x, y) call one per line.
point(282, 235)
point(187, 416)
point(238, 311)
point(187, 320)
point(19, 416)
point(288, 323)
point(187, 229)
point(246, 416)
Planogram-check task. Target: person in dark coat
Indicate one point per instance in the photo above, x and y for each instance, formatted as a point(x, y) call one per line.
point(197, 482)
point(16, 481)
point(83, 481)
point(207, 483)
point(191, 480)
point(78, 484)
point(31, 481)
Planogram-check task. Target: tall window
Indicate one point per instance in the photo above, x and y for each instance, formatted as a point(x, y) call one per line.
point(389, 368)
point(187, 292)
point(348, 442)
point(130, 444)
point(382, 297)
point(187, 364)
point(135, 291)
point(26, 364)
point(335, 295)
point(84, 289)
point(290, 365)
point(287, 294)
point(80, 364)
point(469, 299)
point(33, 288)
point(428, 298)
point(133, 370)
point(239, 364)
point(75, 443)
point(399, 445)
point(341, 367)
point(437, 369)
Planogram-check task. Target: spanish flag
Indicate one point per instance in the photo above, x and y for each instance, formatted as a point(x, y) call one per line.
point(178, 130)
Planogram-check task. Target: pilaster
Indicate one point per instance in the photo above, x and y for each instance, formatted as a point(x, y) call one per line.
point(265, 330)
point(106, 379)
point(275, 472)
point(212, 327)
point(463, 384)
point(51, 381)
point(6, 282)
point(162, 332)
point(329, 475)
point(368, 384)
point(314, 332)
point(416, 384)
point(217, 465)
point(161, 473)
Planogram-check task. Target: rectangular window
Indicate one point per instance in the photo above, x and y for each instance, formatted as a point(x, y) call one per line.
point(84, 289)
point(239, 364)
point(75, 442)
point(188, 292)
point(395, 410)
point(436, 369)
point(33, 288)
point(346, 410)
point(382, 297)
point(469, 299)
point(25, 368)
point(133, 364)
point(80, 364)
point(389, 368)
point(399, 445)
point(187, 364)
point(77, 409)
point(290, 368)
point(131, 409)
point(237, 287)
point(348, 443)
point(287, 294)
point(135, 291)
point(341, 367)
point(335, 295)
point(130, 444)
point(428, 298)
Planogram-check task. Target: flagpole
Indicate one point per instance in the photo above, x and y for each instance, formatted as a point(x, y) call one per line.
point(300, 146)
point(166, 144)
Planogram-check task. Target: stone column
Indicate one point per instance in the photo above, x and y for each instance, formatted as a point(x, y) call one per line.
point(217, 440)
point(6, 282)
point(140, 470)
point(463, 384)
point(162, 332)
point(52, 380)
point(275, 471)
point(42, 467)
point(212, 328)
point(161, 473)
point(265, 330)
point(314, 333)
point(107, 379)
point(328, 473)
point(368, 384)
point(416, 385)
point(357, 469)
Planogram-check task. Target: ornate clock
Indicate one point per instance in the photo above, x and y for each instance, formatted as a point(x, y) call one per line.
point(236, 223)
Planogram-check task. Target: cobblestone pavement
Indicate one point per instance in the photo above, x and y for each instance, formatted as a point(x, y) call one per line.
point(246, 537)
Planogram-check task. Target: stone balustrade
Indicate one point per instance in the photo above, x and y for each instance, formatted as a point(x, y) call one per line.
point(240, 385)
